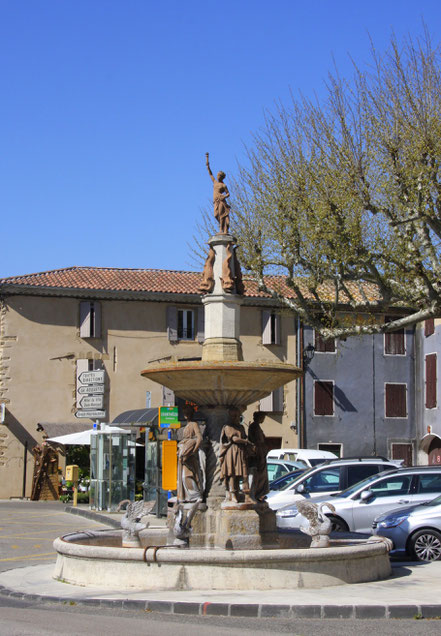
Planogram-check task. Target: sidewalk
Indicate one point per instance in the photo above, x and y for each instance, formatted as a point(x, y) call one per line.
point(414, 590)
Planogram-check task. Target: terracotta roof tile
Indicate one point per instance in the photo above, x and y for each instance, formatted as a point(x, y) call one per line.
point(155, 280)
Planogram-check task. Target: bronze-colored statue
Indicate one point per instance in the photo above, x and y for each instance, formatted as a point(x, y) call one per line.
point(220, 195)
point(257, 458)
point(233, 458)
point(190, 469)
point(207, 282)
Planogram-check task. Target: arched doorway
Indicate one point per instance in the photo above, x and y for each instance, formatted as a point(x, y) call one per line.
point(434, 452)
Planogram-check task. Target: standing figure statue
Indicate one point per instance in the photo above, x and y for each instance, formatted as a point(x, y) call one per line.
point(257, 459)
point(233, 458)
point(191, 470)
point(220, 196)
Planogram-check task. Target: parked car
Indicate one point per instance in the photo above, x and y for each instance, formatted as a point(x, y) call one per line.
point(276, 468)
point(327, 478)
point(358, 506)
point(414, 531)
point(310, 457)
point(286, 479)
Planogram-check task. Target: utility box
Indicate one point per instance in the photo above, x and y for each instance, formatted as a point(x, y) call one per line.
point(72, 473)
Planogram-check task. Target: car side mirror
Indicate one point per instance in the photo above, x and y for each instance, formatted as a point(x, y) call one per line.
point(366, 495)
point(300, 489)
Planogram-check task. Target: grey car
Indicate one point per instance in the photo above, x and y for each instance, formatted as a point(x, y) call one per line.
point(414, 531)
point(358, 506)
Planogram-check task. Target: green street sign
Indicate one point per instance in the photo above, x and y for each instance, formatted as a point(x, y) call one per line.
point(168, 417)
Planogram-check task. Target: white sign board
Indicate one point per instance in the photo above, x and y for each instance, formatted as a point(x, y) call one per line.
point(92, 402)
point(91, 389)
point(91, 377)
point(95, 415)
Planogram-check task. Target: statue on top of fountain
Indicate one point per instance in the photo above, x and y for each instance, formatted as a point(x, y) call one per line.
point(191, 460)
point(220, 196)
point(233, 458)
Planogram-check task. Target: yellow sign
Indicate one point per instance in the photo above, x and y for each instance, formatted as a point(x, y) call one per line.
point(169, 465)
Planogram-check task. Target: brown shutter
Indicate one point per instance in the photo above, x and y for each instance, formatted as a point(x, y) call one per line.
point(431, 381)
point(429, 327)
point(323, 398)
point(396, 400)
point(97, 320)
point(394, 344)
point(323, 346)
point(85, 319)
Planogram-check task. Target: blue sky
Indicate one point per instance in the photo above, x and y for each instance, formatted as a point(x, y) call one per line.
point(108, 107)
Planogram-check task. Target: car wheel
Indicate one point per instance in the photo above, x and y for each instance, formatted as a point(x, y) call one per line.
point(425, 545)
point(338, 525)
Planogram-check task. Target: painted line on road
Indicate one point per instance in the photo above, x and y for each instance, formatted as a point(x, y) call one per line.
point(28, 556)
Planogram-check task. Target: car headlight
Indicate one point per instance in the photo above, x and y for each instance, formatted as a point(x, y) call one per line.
point(288, 512)
point(391, 522)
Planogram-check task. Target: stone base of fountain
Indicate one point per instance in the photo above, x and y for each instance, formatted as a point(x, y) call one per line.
point(94, 558)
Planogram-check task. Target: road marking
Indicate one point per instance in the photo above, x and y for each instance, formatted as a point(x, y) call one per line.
point(28, 556)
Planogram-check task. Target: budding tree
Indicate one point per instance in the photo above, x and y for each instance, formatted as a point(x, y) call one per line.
point(343, 196)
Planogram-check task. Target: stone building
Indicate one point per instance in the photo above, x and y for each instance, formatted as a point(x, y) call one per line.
point(57, 327)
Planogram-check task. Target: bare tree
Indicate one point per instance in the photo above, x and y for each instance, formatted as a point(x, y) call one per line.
point(342, 197)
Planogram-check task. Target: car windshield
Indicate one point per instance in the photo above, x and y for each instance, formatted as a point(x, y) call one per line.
point(277, 484)
point(361, 485)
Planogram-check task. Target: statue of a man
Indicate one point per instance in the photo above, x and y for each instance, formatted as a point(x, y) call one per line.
point(233, 458)
point(220, 196)
point(257, 458)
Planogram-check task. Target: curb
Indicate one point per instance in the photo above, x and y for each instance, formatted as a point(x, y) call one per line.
point(260, 610)
point(94, 516)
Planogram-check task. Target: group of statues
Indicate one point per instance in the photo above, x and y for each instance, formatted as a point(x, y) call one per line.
point(242, 459)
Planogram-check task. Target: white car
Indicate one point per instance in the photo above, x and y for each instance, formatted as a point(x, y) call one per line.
point(358, 506)
point(326, 479)
point(310, 457)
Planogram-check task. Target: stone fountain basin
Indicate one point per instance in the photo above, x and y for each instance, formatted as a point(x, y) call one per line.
point(93, 558)
point(222, 383)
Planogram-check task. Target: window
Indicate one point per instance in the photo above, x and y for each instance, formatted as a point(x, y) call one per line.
point(323, 346)
point(392, 486)
point(323, 397)
point(396, 400)
point(431, 381)
point(429, 327)
point(361, 471)
point(185, 324)
point(90, 319)
point(394, 342)
point(168, 396)
point(336, 448)
point(323, 481)
point(429, 484)
point(270, 328)
point(273, 403)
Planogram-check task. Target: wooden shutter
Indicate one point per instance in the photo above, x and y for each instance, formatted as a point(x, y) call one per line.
point(266, 327)
point(431, 381)
point(323, 346)
point(201, 325)
point(394, 344)
point(429, 327)
point(85, 319)
point(172, 324)
point(396, 400)
point(278, 400)
point(323, 397)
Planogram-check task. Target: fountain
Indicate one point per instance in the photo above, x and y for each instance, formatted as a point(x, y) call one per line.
point(219, 536)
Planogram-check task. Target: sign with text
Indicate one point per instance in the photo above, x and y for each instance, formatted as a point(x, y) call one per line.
point(91, 377)
point(92, 402)
point(94, 415)
point(168, 417)
point(91, 389)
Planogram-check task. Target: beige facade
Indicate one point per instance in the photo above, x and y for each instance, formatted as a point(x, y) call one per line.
point(41, 350)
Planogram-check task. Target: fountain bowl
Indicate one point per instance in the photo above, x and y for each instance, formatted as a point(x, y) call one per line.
point(93, 558)
point(233, 383)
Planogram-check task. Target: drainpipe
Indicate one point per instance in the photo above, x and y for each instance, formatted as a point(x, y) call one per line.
point(300, 402)
point(374, 413)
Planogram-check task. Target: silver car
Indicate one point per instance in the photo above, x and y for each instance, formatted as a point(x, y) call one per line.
point(414, 531)
point(358, 506)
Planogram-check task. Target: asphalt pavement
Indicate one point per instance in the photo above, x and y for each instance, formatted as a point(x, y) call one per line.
point(27, 530)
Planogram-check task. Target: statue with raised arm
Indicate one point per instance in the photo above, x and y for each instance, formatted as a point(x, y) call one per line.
point(220, 196)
